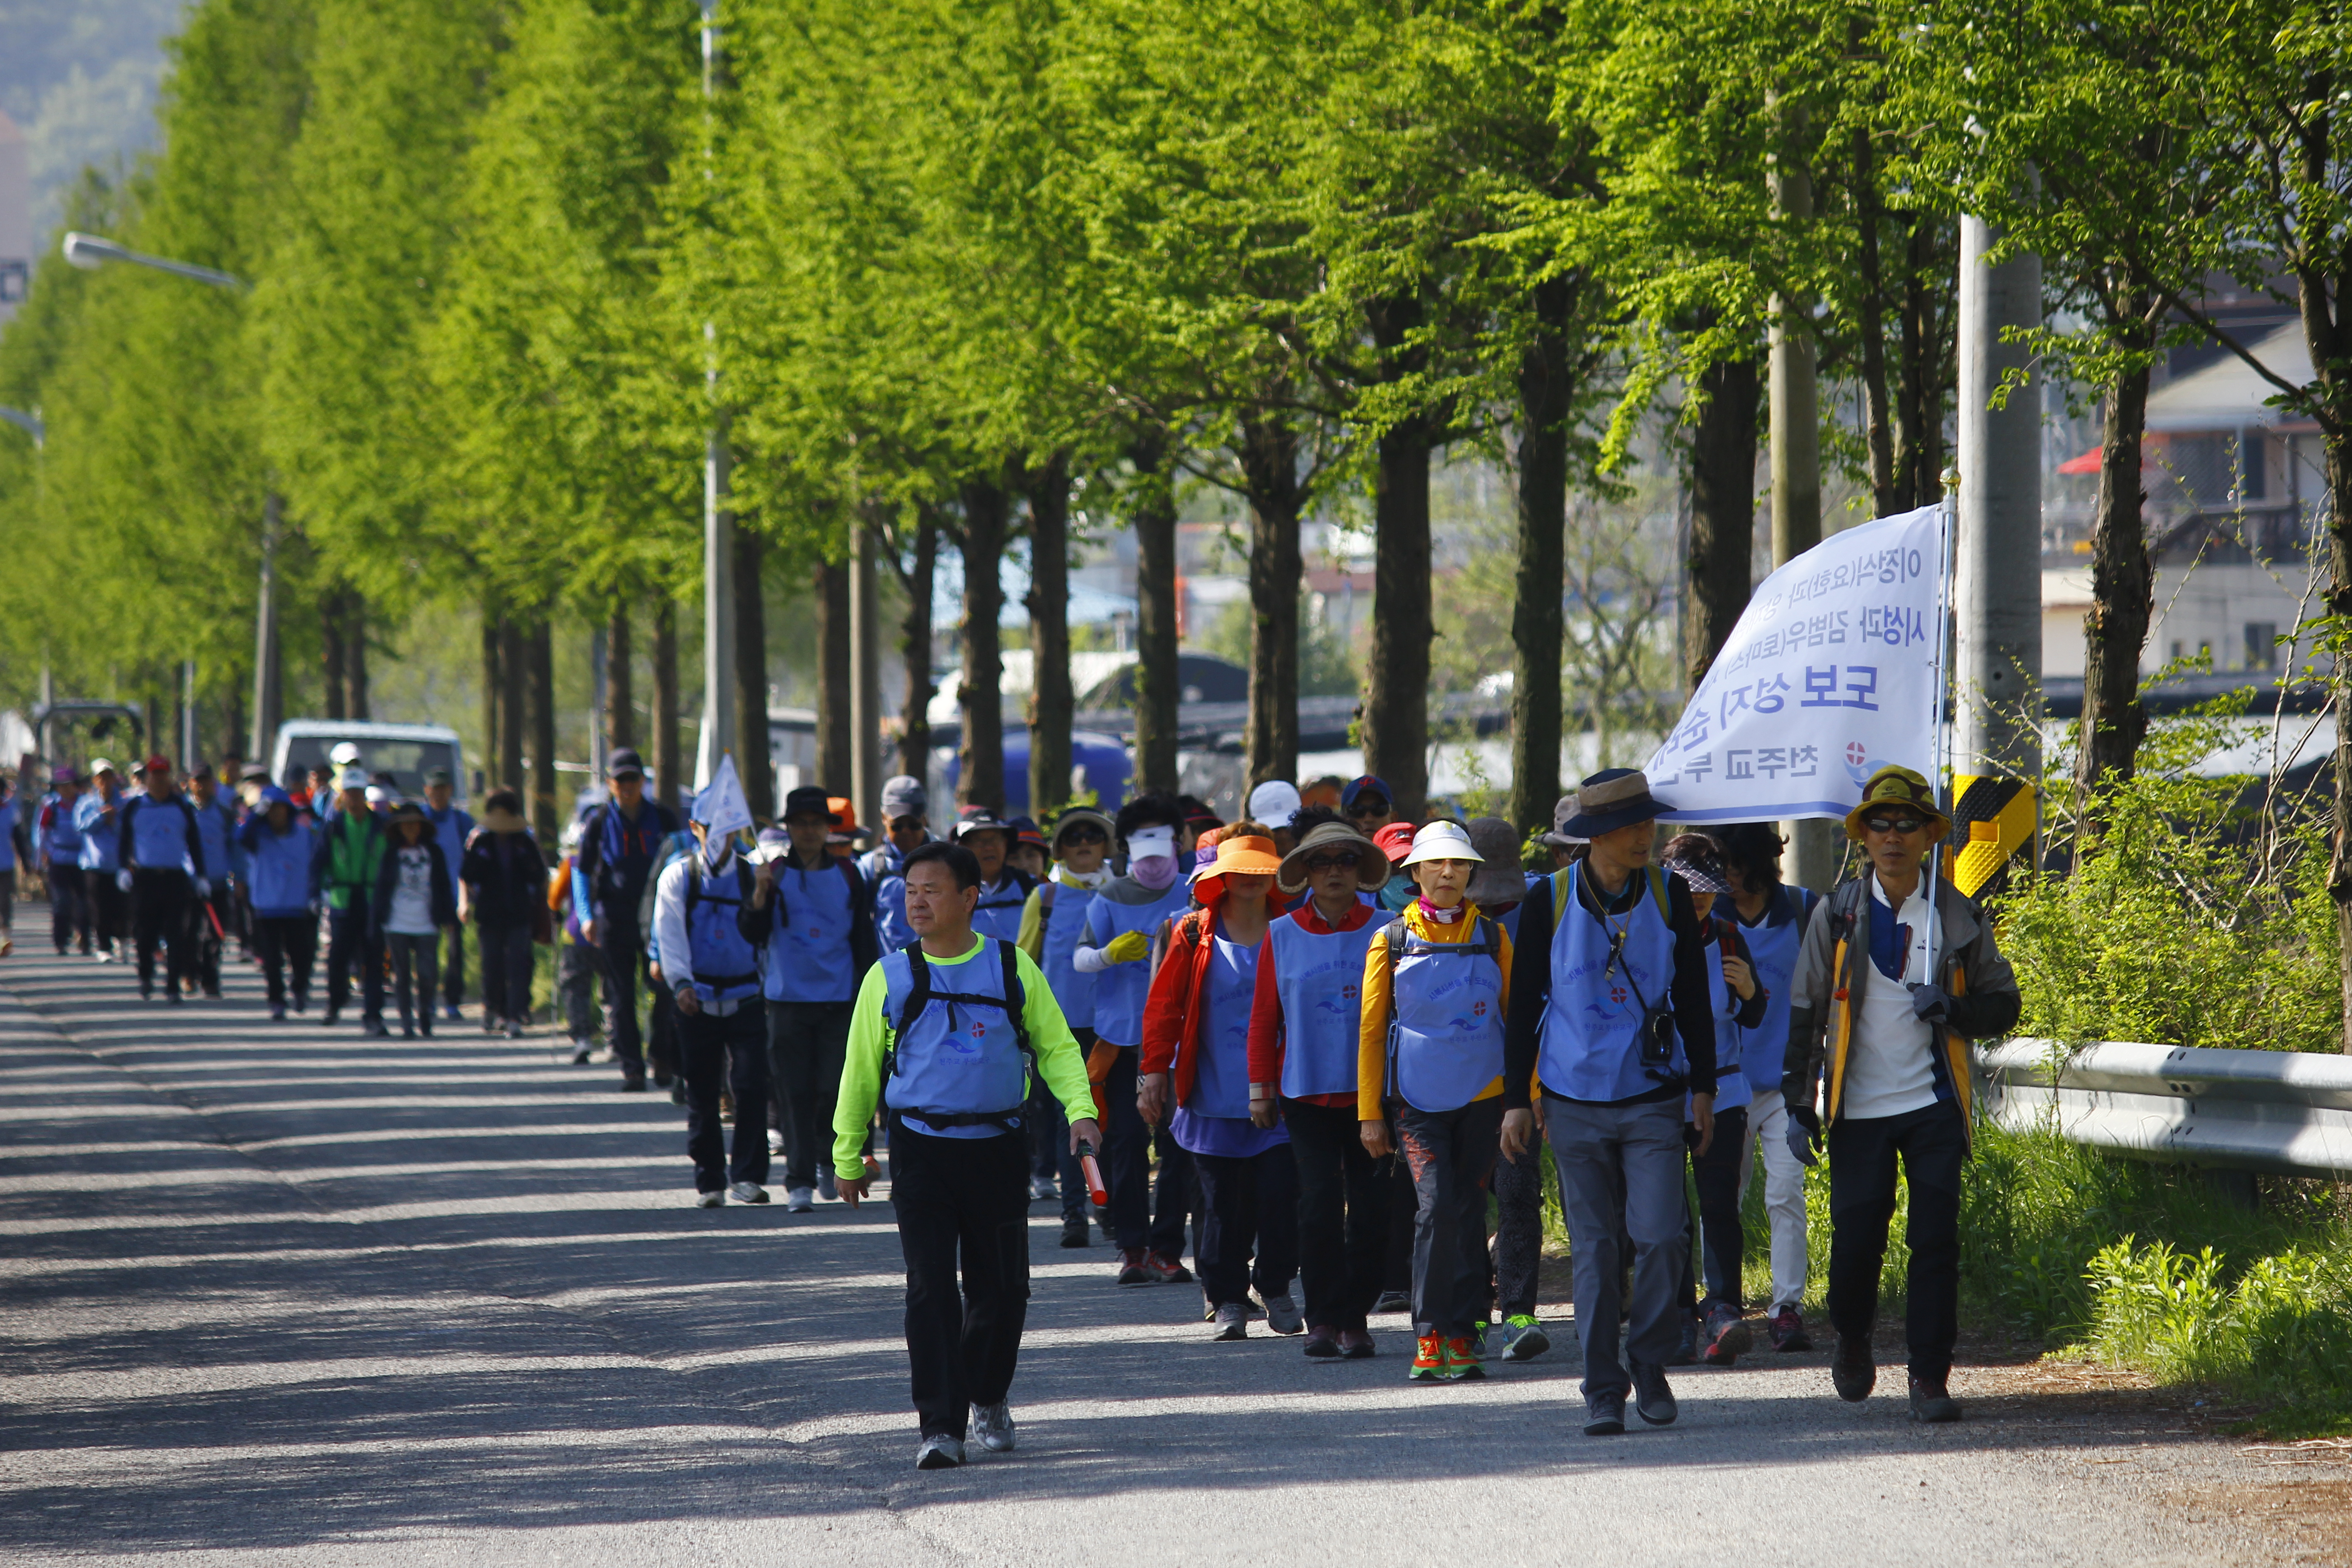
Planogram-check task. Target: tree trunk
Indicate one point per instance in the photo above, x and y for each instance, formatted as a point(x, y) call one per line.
point(668, 766)
point(1877, 418)
point(2122, 582)
point(1723, 512)
point(493, 695)
point(1269, 463)
point(1919, 406)
point(513, 678)
point(330, 650)
point(355, 674)
point(1051, 700)
point(829, 586)
point(981, 780)
point(620, 697)
point(1157, 686)
point(751, 756)
point(915, 650)
point(1545, 387)
point(546, 818)
point(1396, 691)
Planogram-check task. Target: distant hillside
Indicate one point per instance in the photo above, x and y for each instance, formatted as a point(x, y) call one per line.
point(79, 76)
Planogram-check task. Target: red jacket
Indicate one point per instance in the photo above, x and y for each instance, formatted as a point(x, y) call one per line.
point(1265, 1037)
point(1173, 1013)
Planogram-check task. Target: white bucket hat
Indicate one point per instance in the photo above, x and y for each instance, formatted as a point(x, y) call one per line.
point(1443, 841)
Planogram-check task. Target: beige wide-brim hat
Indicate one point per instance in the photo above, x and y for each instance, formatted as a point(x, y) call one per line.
point(1371, 866)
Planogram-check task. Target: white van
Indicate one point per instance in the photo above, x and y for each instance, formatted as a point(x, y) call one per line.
point(406, 752)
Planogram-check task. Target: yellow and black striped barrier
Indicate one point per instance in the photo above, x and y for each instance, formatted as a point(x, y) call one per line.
point(1993, 820)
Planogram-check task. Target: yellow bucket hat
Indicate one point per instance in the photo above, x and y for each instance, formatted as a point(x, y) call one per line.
point(1892, 785)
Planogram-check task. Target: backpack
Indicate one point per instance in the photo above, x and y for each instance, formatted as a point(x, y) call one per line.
point(921, 994)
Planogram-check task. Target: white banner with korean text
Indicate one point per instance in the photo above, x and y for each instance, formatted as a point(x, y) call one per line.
point(1832, 673)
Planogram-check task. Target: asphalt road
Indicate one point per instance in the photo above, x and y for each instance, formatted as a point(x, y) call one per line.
point(276, 1294)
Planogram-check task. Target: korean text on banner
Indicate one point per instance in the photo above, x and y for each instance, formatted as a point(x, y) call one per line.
point(1831, 673)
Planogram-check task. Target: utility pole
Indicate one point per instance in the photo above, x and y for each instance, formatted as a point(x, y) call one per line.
point(266, 691)
point(864, 682)
point(1796, 457)
point(1997, 593)
point(188, 714)
point(717, 503)
point(597, 668)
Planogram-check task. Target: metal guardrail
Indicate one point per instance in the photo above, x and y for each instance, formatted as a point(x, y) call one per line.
point(2287, 1112)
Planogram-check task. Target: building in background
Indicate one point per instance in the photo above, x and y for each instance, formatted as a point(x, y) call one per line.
point(16, 218)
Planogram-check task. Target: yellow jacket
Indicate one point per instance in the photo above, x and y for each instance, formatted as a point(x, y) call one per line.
point(1372, 1029)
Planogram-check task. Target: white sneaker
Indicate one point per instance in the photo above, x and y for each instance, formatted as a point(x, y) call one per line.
point(800, 1200)
point(939, 1453)
point(716, 1198)
point(776, 1141)
point(1042, 1190)
point(749, 1192)
point(993, 1425)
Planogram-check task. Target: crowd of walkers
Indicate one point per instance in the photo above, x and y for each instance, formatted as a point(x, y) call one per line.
point(1306, 1046)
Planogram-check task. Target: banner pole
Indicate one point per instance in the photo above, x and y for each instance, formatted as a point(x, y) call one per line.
point(1947, 533)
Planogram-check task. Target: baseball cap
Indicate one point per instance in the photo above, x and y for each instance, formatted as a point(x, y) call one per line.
point(623, 763)
point(158, 763)
point(439, 776)
point(344, 754)
point(1274, 802)
point(979, 819)
point(808, 799)
point(904, 795)
point(1395, 840)
point(352, 778)
point(1367, 784)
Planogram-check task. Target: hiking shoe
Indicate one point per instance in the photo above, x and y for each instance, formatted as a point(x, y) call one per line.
point(1687, 1353)
point(277, 1012)
point(993, 1425)
point(1852, 1370)
point(1604, 1414)
point(634, 1084)
point(408, 1031)
point(1233, 1322)
point(1728, 1337)
point(799, 1200)
point(1524, 1338)
point(1043, 1190)
point(1931, 1401)
point(1281, 1315)
point(1356, 1345)
point(1787, 1329)
point(583, 1053)
point(1653, 1402)
point(514, 1029)
point(1394, 1301)
point(327, 1019)
point(940, 1452)
point(1322, 1342)
point(454, 1013)
point(716, 1198)
point(146, 991)
point(1132, 1268)
point(749, 1192)
point(1074, 1233)
point(678, 1091)
point(827, 1187)
point(1428, 1361)
point(1462, 1358)
point(1167, 1270)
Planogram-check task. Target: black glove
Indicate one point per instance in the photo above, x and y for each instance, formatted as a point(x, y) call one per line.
point(1804, 1132)
point(1929, 1004)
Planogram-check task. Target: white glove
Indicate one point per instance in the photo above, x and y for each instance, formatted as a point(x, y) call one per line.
point(122, 880)
point(314, 906)
point(203, 888)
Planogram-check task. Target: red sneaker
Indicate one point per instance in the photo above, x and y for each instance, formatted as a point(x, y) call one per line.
point(1462, 1359)
point(1132, 1268)
point(1428, 1361)
point(1167, 1270)
point(1726, 1337)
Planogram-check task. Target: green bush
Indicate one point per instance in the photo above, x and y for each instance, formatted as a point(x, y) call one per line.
point(2280, 1331)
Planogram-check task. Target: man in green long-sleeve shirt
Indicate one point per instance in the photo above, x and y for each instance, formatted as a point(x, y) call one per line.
point(949, 1027)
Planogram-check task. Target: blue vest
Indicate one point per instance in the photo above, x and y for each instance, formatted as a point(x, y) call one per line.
point(214, 823)
point(451, 829)
point(1120, 990)
point(100, 846)
point(726, 967)
point(1730, 1084)
point(1318, 977)
point(1446, 1038)
point(997, 915)
point(1065, 918)
point(1592, 1031)
point(1772, 950)
point(8, 834)
point(278, 866)
point(960, 1055)
point(1221, 1058)
point(809, 956)
point(63, 840)
point(159, 831)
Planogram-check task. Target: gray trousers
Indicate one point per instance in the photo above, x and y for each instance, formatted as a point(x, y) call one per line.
point(1622, 1162)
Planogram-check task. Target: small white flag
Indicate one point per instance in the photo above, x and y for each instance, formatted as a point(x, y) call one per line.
point(720, 806)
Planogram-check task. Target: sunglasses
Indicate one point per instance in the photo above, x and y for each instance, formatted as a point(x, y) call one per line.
point(1322, 863)
point(1085, 835)
point(1892, 824)
point(1373, 807)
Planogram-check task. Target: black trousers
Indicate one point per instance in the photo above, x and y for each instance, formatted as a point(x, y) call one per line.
point(1343, 1215)
point(352, 939)
point(1247, 1204)
point(453, 967)
point(289, 945)
point(1449, 1153)
point(661, 1035)
point(109, 909)
point(506, 970)
point(1931, 1144)
point(68, 907)
point(808, 1043)
point(160, 903)
point(1048, 1126)
point(1722, 1242)
point(1132, 1143)
point(963, 1206)
point(734, 1049)
point(1396, 1270)
point(413, 959)
point(1518, 1228)
point(8, 901)
point(622, 956)
point(203, 941)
